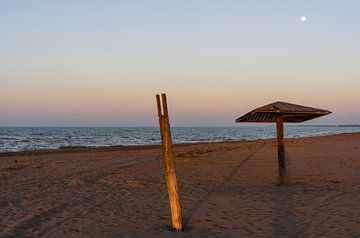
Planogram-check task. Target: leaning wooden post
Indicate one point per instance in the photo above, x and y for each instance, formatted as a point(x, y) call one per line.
point(281, 149)
point(168, 157)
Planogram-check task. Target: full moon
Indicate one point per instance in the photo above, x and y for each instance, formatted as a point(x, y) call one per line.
point(303, 19)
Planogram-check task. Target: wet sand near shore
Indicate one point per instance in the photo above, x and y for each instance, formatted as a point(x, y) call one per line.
point(226, 190)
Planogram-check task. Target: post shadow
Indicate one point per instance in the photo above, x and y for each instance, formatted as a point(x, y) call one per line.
point(197, 206)
point(285, 218)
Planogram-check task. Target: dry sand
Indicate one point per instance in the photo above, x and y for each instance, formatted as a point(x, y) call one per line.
point(226, 190)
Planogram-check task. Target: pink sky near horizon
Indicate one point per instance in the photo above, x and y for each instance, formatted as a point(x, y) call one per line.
point(204, 103)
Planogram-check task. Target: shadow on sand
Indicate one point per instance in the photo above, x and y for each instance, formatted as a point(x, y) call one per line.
point(192, 211)
point(286, 223)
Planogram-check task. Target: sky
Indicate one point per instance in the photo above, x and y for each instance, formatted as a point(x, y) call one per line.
point(101, 63)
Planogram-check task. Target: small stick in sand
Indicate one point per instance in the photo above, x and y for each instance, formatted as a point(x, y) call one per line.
point(168, 156)
point(281, 149)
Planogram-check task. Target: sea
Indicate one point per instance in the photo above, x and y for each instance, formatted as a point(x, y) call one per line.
point(13, 139)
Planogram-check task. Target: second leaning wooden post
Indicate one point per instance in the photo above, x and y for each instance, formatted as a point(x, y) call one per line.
point(168, 157)
point(281, 149)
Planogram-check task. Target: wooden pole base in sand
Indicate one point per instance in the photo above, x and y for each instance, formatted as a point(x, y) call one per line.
point(168, 157)
point(281, 149)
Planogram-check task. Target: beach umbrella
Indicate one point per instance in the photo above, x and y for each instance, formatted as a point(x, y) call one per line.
point(281, 112)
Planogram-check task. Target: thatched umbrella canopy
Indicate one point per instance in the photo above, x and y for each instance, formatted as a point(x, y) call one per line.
point(281, 112)
point(291, 113)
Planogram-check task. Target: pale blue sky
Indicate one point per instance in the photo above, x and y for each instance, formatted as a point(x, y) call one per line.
point(102, 62)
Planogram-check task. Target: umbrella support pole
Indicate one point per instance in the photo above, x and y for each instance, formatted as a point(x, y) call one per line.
point(168, 157)
point(281, 149)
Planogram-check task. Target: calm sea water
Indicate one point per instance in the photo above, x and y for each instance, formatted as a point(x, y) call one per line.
point(22, 139)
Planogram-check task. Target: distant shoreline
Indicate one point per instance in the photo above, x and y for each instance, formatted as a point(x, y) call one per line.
point(237, 125)
point(357, 125)
point(86, 149)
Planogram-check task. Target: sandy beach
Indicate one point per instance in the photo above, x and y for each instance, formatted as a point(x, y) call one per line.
point(226, 190)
